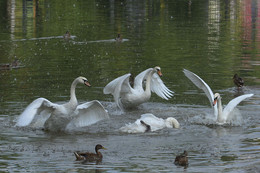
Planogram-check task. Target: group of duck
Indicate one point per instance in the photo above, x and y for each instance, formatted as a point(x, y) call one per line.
point(128, 92)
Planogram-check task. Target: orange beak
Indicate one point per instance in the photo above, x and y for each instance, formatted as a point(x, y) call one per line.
point(159, 73)
point(87, 83)
point(214, 102)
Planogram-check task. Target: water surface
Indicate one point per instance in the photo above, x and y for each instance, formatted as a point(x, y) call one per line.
point(214, 39)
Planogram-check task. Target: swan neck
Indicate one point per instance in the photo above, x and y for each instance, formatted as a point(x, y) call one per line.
point(219, 110)
point(73, 98)
point(148, 82)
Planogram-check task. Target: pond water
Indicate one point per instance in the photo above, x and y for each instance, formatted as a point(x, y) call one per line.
point(215, 39)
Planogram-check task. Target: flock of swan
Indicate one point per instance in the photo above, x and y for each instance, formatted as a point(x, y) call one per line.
point(42, 113)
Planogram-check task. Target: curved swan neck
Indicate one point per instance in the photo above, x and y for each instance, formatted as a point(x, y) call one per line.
point(73, 98)
point(148, 82)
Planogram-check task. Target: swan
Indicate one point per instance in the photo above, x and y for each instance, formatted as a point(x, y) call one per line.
point(127, 96)
point(215, 100)
point(149, 122)
point(54, 117)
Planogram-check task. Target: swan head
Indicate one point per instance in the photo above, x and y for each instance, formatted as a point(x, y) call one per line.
point(216, 97)
point(172, 123)
point(84, 81)
point(158, 70)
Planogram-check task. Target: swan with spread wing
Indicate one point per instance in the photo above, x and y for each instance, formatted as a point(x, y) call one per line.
point(55, 117)
point(127, 96)
point(222, 115)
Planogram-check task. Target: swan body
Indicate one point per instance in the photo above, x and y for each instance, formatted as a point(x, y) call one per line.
point(221, 115)
point(149, 122)
point(55, 117)
point(127, 96)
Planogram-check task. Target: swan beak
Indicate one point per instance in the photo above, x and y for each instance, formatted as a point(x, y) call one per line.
point(215, 101)
point(87, 83)
point(159, 73)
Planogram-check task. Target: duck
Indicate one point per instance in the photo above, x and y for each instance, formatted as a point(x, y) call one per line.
point(222, 116)
point(182, 159)
point(119, 37)
point(66, 35)
point(9, 66)
point(238, 81)
point(126, 96)
point(42, 113)
point(149, 123)
point(91, 157)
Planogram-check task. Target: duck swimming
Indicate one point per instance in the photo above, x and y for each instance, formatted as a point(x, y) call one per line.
point(66, 35)
point(182, 159)
point(55, 117)
point(222, 115)
point(91, 157)
point(118, 38)
point(127, 96)
point(238, 81)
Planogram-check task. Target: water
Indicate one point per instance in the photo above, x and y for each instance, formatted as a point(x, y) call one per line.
point(214, 39)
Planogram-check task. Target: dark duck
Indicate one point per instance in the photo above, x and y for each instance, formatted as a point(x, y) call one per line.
point(238, 81)
point(91, 157)
point(182, 159)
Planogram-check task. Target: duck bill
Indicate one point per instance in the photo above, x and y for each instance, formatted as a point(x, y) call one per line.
point(104, 148)
point(159, 73)
point(214, 102)
point(87, 83)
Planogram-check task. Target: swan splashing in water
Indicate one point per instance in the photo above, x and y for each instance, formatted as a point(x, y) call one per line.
point(221, 115)
point(127, 96)
point(149, 122)
point(54, 117)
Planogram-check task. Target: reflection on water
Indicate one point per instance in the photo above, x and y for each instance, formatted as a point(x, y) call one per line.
point(214, 39)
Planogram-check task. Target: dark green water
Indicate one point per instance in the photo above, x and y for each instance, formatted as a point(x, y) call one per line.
point(214, 39)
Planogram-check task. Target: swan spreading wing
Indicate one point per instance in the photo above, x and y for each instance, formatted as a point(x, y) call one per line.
point(202, 85)
point(118, 86)
point(232, 104)
point(37, 107)
point(87, 114)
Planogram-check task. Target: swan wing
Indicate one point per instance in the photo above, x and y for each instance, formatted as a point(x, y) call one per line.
point(87, 114)
point(200, 84)
point(233, 103)
point(117, 87)
point(158, 87)
point(138, 83)
point(38, 106)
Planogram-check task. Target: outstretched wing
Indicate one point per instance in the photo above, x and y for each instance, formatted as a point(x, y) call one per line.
point(138, 83)
point(202, 85)
point(158, 87)
point(38, 106)
point(233, 103)
point(87, 114)
point(118, 86)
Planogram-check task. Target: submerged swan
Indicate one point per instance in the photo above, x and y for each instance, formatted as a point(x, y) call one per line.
point(54, 117)
point(91, 157)
point(221, 115)
point(127, 96)
point(149, 122)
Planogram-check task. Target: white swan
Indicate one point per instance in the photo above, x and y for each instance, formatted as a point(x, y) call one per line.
point(126, 96)
point(54, 117)
point(149, 122)
point(215, 100)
